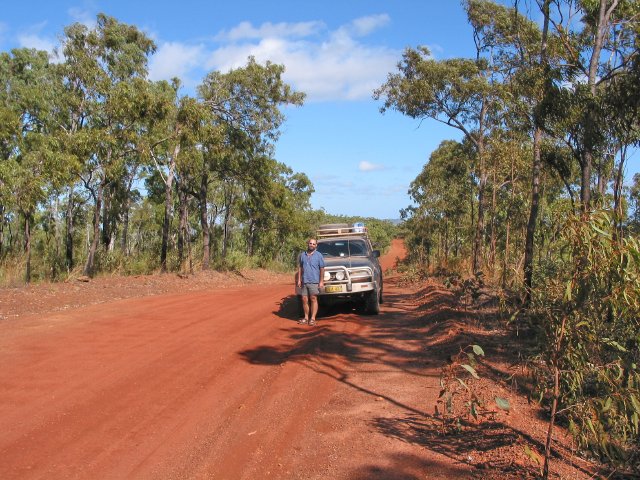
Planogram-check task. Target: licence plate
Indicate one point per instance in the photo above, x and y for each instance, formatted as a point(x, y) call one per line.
point(333, 288)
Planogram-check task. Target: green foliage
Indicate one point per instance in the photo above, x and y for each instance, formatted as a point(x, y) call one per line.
point(459, 396)
point(589, 311)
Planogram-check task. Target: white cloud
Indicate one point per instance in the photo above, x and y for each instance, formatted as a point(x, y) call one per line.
point(334, 66)
point(365, 166)
point(84, 17)
point(245, 30)
point(363, 26)
point(32, 38)
point(175, 60)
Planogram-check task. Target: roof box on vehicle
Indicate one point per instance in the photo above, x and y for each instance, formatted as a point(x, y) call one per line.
point(341, 229)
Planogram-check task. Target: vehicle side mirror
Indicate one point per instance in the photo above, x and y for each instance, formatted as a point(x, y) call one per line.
point(376, 253)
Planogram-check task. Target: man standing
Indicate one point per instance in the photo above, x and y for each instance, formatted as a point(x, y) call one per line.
point(310, 280)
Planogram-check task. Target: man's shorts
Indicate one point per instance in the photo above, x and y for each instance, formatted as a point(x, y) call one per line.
point(310, 289)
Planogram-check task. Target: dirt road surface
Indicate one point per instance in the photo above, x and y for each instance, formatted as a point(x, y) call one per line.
point(224, 384)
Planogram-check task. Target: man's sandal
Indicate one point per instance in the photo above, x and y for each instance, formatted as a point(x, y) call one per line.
point(303, 321)
point(312, 322)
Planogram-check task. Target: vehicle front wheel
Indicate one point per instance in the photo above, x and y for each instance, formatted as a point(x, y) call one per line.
point(372, 303)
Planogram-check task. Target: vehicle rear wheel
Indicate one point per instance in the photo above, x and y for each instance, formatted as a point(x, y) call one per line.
point(372, 303)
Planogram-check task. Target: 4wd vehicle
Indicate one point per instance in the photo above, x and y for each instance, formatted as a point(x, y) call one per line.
point(352, 271)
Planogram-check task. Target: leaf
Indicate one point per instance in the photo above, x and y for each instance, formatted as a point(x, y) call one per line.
point(462, 383)
point(503, 403)
point(572, 427)
point(613, 343)
point(634, 401)
point(532, 455)
point(567, 293)
point(607, 405)
point(471, 370)
point(477, 349)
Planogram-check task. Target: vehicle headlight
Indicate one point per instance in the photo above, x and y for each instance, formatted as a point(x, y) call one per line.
point(340, 275)
point(327, 276)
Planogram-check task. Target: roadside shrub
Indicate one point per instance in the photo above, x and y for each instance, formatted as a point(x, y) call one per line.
point(588, 315)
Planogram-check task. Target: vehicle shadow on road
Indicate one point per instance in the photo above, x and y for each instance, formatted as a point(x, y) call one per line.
point(290, 308)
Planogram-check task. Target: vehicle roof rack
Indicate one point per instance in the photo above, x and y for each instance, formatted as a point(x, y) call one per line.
point(341, 230)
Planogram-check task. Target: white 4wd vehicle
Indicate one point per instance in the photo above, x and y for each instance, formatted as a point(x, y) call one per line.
point(352, 272)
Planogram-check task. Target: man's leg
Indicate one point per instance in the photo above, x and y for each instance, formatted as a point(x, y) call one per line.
point(314, 307)
point(305, 307)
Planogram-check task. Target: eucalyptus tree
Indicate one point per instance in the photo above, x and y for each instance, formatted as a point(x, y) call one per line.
point(9, 134)
point(173, 126)
point(102, 65)
point(597, 50)
point(459, 92)
point(443, 193)
point(272, 205)
point(31, 163)
point(525, 58)
point(245, 105)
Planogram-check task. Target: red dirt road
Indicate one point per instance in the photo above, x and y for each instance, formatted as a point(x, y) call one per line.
point(224, 385)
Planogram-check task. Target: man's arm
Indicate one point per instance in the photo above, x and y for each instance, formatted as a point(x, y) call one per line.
point(321, 284)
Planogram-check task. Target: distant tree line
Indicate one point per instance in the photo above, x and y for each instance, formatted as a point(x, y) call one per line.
point(534, 198)
point(104, 170)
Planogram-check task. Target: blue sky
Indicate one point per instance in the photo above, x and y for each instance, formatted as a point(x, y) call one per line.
point(360, 161)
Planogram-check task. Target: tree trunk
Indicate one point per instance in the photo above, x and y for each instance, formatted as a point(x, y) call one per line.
point(617, 193)
point(27, 246)
point(535, 169)
point(124, 240)
point(93, 247)
point(106, 220)
point(225, 224)
point(1, 231)
point(533, 216)
point(204, 221)
point(477, 240)
point(251, 237)
point(604, 15)
point(69, 232)
point(56, 237)
point(166, 222)
point(183, 231)
point(494, 201)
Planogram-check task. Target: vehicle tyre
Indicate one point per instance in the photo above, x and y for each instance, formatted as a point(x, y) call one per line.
point(372, 303)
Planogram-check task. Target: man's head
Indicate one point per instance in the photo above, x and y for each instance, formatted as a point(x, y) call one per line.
point(312, 243)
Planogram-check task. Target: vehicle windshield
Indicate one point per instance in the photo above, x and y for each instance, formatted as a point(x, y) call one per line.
point(342, 248)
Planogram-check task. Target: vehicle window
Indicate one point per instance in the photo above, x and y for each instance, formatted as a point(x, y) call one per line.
point(332, 249)
point(357, 248)
point(343, 248)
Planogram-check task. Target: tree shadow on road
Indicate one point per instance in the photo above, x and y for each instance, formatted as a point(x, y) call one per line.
point(416, 334)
